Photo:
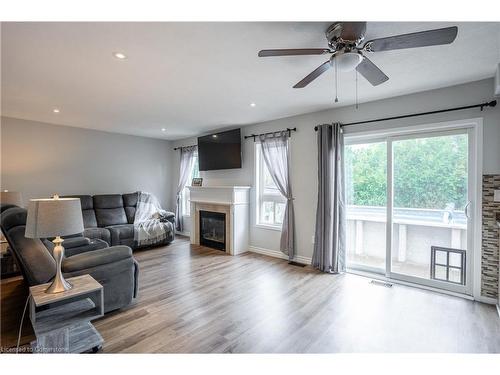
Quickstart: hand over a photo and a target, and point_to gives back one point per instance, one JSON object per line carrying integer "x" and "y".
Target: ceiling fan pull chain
{"x": 336, "y": 81}
{"x": 356, "y": 88}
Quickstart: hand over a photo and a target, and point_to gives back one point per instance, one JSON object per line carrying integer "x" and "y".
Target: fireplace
{"x": 213, "y": 229}
{"x": 228, "y": 207}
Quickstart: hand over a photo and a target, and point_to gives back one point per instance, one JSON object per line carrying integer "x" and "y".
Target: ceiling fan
{"x": 348, "y": 52}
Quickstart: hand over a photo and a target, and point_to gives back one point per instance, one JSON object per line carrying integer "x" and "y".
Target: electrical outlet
{"x": 496, "y": 196}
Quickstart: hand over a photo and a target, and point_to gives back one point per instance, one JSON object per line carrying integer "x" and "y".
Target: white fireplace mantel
{"x": 234, "y": 202}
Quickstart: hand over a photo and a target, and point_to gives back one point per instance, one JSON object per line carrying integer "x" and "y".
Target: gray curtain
{"x": 186, "y": 165}
{"x": 276, "y": 155}
{"x": 330, "y": 236}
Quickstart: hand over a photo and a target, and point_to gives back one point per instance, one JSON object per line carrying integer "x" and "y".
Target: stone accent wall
{"x": 490, "y": 232}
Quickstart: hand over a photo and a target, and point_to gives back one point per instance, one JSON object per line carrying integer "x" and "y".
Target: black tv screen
{"x": 220, "y": 150}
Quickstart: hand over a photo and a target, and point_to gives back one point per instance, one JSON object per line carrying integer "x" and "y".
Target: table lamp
{"x": 55, "y": 217}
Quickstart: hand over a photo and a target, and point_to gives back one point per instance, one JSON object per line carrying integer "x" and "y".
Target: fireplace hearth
{"x": 213, "y": 229}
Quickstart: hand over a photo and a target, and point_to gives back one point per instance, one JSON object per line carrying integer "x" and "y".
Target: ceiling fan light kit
{"x": 345, "y": 44}
{"x": 348, "y": 61}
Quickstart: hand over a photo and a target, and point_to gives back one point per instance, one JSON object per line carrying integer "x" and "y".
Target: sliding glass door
{"x": 366, "y": 194}
{"x": 408, "y": 208}
{"x": 430, "y": 204}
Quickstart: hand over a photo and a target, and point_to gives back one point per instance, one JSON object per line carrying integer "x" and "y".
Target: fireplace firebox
{"x": 213, "y": 229}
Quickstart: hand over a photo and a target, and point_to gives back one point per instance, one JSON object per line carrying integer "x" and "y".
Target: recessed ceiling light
{"x": 119, "y": 55}
{"x": 252, "y": 104}
{"x": 214, "y": 135}
{"x": 56, "y": 110}
{"x": 163, "y": 129}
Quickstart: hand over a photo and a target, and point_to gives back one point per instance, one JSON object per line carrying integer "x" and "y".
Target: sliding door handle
{"x": 466, "y": 209}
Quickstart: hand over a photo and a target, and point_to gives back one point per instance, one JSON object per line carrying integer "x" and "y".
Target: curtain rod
{"x": 178, "y": 148}
{"x": 289, "y": 130}
{"x": 482, "y": 105}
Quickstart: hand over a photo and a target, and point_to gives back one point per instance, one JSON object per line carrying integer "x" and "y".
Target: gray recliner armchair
{"x": 114, "y": 267}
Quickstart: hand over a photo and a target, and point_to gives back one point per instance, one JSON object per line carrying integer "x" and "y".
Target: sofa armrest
{"x": 98, "y": 233}
{"x": 94, "y": 244}
{"x": 167, "y": 216}
{"x": 96, "y": 258}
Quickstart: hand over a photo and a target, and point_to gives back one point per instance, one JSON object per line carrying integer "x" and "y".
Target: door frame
{"x": 474, "y": 127}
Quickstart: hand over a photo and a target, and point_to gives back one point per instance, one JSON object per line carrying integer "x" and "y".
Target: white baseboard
{"x": 187, "y": 234}
{"x": 488, "y": 300}
{"x": 278, "y": 254}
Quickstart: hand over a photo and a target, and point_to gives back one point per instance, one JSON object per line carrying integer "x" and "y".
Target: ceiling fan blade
{"x": 371, "y": 72}
{"x": 293, "y": 52}
{"x": 313, "y": 75}
{"x": 420, "y": 39}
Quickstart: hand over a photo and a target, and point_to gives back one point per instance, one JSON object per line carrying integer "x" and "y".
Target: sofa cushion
{"x": 98, "y": 233}
{"x": 125, "y": 230}
{"x": 120, "y": 233}
{"x": 89, "y": 219}
{"x": 130, "y": 199}
{"x": 85, "y": 200}
{"x": 110, "y": 216}
{"x": 109, "y": 210}
{"x": 130, "y": 213}
{"x": 128, "y": 242}
{"x": 130, "y": 203}
{"x": 88, "y": 214}
{"x": 108, "y": 201}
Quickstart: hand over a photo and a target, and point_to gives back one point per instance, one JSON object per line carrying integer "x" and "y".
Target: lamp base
{"x": 58, "y": 284}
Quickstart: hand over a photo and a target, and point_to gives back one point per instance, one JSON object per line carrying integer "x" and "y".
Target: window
{"x": 195, "y": 172}
{"x": 270, "y": 202}
{"x": 448, "y": 264}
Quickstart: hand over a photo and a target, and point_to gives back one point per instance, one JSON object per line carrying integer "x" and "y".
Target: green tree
{"x": 428, "y": 173}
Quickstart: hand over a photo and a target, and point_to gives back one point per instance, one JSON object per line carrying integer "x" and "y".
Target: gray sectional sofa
{"x": 110, "y": 217}
{"x": 114, "y": 267}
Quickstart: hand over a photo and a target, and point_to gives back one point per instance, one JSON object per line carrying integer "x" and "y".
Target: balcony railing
{"x": 415, "y": 231}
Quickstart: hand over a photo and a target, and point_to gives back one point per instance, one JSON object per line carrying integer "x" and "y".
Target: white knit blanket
{"x": 148, "y": 229}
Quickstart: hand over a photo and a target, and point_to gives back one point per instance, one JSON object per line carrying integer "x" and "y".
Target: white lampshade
{"x": 12, "y": 197}
{"x": 54, "y": 217}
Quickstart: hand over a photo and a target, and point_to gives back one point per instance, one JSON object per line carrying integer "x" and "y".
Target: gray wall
{"x": 41, "y": 159}
{"x": 303, "y": 147}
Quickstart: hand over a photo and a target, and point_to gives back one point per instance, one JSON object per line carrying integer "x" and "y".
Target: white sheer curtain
{"x": 275, "y": 152}
{"x": 186, "y": 166}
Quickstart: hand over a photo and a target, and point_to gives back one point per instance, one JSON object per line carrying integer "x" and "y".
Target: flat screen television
{"x": 220, "y": 150}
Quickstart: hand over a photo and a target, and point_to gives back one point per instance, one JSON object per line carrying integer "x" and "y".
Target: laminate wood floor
{"x": 197, "y": 300}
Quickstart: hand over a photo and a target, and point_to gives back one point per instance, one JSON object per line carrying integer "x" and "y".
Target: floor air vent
{"x": 297, "y": 264}
{"x": 381, "y": 283}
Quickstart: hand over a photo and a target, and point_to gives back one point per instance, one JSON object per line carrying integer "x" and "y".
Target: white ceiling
{"x": 191, "y": 78}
